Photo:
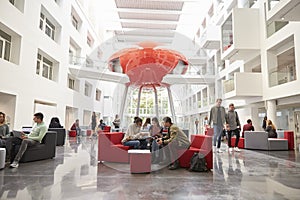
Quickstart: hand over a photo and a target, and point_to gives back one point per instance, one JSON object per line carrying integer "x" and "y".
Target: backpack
{"x": 198, "y": 163}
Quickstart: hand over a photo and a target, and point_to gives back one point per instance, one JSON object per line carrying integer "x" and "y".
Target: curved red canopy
{"x": 148, "y": 65}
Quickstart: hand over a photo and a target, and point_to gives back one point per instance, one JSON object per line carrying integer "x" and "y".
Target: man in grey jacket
{"x": 217, "y": 117}
{"x": 234, "y": 127}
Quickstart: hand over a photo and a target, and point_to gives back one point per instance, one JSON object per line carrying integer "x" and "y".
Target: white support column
{"x": 139, "y": 101}
{"x": 171, "y": 104}
{"x": 123, "y": 104}
{"x": 156, "y": 102}
{"x": 271, "y": 110}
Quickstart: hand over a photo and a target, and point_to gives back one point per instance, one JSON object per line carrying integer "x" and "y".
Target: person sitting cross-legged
{"x": 133, "y": 135}
{"x": 33, "y": 138}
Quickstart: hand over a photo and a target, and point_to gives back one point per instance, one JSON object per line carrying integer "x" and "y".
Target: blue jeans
{"x": 132, "y": 143}
{"x": 155, "y": 148}
{"x": 218, "y": 130}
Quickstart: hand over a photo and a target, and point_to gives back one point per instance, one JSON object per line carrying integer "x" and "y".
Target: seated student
{"x": 33, "y": 138}
{"x": 54, "y": 123}
{"x": 75, "y": 126}
{"x": 155, "y": 132}
{"x": 4, "y": 130}
{"x": 133, "y": 135}
{"x": 175, "y": 139}
{"x": 147, "y": 124}
{"x": 101, "y": 125}
{"x": 271, "y": 129}
{"x": 248, "y": 127}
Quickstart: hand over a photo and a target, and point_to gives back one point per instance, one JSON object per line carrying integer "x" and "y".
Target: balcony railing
{"x": 86, "y": 62}
{"x": 228, "y": 85}
{"x": 282, "y": 76}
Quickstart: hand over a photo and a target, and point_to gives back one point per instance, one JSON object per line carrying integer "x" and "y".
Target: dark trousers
{"x": 20, "y": 145}
{"x": 230, "y": 134}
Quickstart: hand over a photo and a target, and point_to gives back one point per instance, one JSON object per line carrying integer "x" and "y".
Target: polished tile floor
{"x": 76, "y": 174}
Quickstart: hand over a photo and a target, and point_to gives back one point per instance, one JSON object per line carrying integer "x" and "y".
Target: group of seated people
{"x": 152, "y": 134}
{"x": 9, "y": 142}
{"x": 75, "y": 126}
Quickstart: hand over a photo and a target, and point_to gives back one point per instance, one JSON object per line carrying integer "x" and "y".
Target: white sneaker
{"x": 230, "y": 149}
{"x": 14, "y": 165}
{"x": 219, "y": 151}
{"x": 237, "y": 149}
{"x": 214, "y": 149}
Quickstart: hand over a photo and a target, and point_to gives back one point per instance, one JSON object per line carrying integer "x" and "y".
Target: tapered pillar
{"x": 271, "y": 110}
{"x": 171, "y": 104}
{"x": 123, "y": 104}
{"x": 139, "y": 101}
{"x": 156, "y": 101}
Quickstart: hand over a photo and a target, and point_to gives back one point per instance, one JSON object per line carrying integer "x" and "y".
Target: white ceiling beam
{"x": 152, "y": 11}
{"x": 148, "y": 21}
{"x": 143, "y": 38}
{"x": 144, "y": 29}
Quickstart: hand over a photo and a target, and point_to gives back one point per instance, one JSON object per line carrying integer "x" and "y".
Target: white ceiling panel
{"x": 149, "y": 26}
{"x": 147, "y": 16}
{"x": 148, "y": 4}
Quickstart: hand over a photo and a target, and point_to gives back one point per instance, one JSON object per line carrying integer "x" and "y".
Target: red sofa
{"x": 111, "y": 149}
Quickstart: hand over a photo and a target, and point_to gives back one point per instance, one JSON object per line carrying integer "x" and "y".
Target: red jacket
{"x": 247, "y": 127}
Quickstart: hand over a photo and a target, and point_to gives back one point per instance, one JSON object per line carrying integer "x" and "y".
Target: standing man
{"x": 34, "y": 137}
{"x": 196, "y": 124}
{"x": 175, "y": 139}
{"x": 217, "y": 117}
{"x": 94, "y": 121}
{"x": 117, "y": 122}
{"x": 234, "y": 127}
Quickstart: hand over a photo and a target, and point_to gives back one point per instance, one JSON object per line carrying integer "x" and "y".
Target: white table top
{"x": 141, "y": 151}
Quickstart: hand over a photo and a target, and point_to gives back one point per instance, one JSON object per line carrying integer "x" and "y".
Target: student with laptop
{"x": 134, "y": 137}
{"x": 34, "y": 137}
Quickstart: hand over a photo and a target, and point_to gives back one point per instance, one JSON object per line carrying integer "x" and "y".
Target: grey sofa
{"x": 60, "y": 137}
{"x": 259, "y": 140}
{"x": 45, "y": 150}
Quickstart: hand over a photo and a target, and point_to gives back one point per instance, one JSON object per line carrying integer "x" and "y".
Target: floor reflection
{"x": 76, "y": 174}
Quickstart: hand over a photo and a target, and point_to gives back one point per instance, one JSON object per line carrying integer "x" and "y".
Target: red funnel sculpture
{"x": 147, "y": 65}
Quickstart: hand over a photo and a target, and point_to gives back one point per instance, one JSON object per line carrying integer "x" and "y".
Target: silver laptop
{"x": 17, "y": 133}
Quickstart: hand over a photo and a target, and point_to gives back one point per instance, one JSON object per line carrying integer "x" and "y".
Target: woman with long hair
{"x": 271, "y": 129}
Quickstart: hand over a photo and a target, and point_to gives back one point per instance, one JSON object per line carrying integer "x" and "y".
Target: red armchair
{"x": 72, "y": 133}
{"x": 200, "y": 143}
{"x": 106, "y": 128}
{"x": 111, "y": 149}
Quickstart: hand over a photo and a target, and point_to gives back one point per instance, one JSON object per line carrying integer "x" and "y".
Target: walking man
{"x": 217, "y": 117}
{"x": 234, "y": 127}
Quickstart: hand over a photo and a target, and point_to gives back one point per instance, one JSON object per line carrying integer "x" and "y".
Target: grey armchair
{"x": 45, "y": 150}
{"x": 60, "y": 137}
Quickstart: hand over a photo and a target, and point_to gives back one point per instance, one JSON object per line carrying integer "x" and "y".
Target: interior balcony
{"x": 243, "y": 85}
{"x": 230, "y": 4}
{"x": 240, "y": 35}
{"x": 283, "y": 10}
{"x": 210, "y": 39}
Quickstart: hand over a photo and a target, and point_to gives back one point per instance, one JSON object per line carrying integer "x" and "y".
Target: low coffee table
{"x": 2, "y": 157}
{"x": 140, "y": 161}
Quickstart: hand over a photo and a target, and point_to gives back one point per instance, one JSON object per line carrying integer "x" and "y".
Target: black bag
{"x": 198, "y": 163}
